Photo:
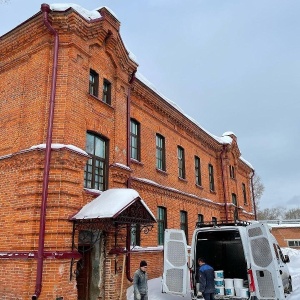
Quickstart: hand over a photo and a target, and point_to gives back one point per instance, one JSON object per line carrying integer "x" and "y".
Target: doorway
{"x": 83, "y": 273}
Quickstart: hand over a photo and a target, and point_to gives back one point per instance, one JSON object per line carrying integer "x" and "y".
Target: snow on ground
{"x": 294, "y": 267}
{"x": 155, "y": 293}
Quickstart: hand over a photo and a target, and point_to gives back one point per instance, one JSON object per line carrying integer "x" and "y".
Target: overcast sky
{"x": 232, "y": 65}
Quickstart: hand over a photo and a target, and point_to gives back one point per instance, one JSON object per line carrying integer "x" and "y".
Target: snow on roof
{"x": 110, "y": 203}
{"x": 59, "y": 146}
{"x": 228, "y": 133}
{"x": 283, "y": 223}
{"x": 43, "y": 146}
{"x": 108, "y": 9}
{"x": 87, "y": 14}
{"x": 121, "y": 166}
{"x": 246, "y": 162}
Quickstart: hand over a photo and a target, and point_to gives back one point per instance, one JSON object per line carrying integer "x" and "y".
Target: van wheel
{"x": 290, "y": 288}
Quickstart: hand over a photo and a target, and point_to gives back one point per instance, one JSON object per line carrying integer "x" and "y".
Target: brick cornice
{"x": 29, "y": 157}
{"x": 101, "y": 31}
{"x": 173, "y": 116}
{"x": 69, "y": 25}
{"x": 172, "y": 193}
{"x": 119, "y": 173}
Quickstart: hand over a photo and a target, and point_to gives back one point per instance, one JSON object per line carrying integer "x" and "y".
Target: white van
{"x": 240, "y": 250}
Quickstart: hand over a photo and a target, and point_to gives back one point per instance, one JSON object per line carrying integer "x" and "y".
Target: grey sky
{"x": 232, "y": 65}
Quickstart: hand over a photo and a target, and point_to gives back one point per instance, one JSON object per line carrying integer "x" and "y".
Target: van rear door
{"x": 175, "y": 276}
{"x": 265, "y": 271}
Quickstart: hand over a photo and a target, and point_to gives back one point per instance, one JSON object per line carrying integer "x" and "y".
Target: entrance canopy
{"x": 122, "y": 206}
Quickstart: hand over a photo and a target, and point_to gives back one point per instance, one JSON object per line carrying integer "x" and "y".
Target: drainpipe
{"x": 223, "y": 182}
{"x": 253, "y": 196}
{"x": 131, "y": 80}
{"x": 45, "y": 8}
{"x": 129, "y": 278}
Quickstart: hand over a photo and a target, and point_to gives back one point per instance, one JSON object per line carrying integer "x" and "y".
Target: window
{"x": 214, "y": 220}
{"x": 96, "y": 167}
{"x": 160, "y": 152}
{"x": 94, "y": 83}
{"x": 135, "y": 235}
{"x": 184, "y": 223}
{"x": 233, "y": 197}
{"x": 161, "y": 224}
{"x": 244, "y": 193}
{"x": 231, "y": 172}
{"x": 106, "y": 97}
{"x": 197, "y": 171}
{"x": 211, "y": 177}
{"x": 294, "y": 243}
{"x": 235, "y": 213}
{"x": 134, "y": 139}
{"x": 200, "y": 218}
{"x": 280, "y": 253}
{"x": 181, "y": 162}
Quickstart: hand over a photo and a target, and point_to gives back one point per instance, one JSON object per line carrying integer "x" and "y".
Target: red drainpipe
{"x": 45, "y": 8}
{"x": 253, "y": 197}
{"x": 129, "y": 278}
{"x": 223, "y": 182}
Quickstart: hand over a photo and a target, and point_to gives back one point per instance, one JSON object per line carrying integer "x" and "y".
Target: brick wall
{"x": 25, "y": 88}
{"x": 285, "y": 233}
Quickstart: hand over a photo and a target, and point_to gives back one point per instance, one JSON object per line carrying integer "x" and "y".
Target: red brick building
{"x": 77, "y": 120}
{"x": 286, "y": 232}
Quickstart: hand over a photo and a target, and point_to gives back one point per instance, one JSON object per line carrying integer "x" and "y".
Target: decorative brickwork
{"x": 72, "y": 266}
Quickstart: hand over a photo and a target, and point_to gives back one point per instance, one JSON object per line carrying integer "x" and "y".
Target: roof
{"x": 110, "y": 204}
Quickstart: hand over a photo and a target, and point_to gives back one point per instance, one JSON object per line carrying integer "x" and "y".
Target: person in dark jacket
{"x": 206, "y": 280}
{"x": 140, "y": 282}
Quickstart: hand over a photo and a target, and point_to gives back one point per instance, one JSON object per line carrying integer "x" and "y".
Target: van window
{"x": 280, "y": 253}
{"x": 276, "y": 252}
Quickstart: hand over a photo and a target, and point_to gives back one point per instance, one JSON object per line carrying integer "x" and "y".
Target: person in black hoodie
{"x": 206, "y": 280}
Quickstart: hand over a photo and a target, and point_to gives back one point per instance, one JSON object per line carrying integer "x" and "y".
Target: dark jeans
{"x": 208, "y": 296}
{"x": 143, "y": 297}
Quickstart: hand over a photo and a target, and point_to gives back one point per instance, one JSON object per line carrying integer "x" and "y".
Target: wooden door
{"x": 83, "y": 273}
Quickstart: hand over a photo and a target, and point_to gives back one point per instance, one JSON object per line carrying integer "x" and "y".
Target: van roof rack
{"x": 222, "y": 223}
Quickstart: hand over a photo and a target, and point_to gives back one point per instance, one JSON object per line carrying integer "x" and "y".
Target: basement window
{"x": 294, "y": 243}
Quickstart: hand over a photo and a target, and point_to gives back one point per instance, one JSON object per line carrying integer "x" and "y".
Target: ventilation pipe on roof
{"x": 45, "y": 8}
{"x": 129, "y": 178}
{"x": 223, "y": 181}
{"x": 253, "y": 195}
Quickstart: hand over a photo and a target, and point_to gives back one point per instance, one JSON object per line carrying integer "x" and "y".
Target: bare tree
{"x": 274, "y": 213}
{"x": 293, "y": 213}
{"x": 258, "y": 190}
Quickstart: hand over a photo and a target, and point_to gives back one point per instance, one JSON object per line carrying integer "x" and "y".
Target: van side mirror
{"x": 286, "y": 259}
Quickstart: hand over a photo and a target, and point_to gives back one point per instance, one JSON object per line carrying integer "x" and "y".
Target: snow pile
{"x": 294, "y": 268}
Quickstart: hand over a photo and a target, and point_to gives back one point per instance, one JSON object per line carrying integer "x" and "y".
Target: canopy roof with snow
{"x": 120, "y": 205}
